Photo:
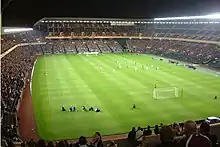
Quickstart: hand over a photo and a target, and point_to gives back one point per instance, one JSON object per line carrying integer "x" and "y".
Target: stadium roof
{"x": 215, "y": 17}
{"x": 63, "y": 19}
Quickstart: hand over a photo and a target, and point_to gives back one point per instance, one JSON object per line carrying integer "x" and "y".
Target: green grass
{"x": 77, "y": 80}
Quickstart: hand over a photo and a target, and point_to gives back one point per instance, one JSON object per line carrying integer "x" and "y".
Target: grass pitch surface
{"x": 76, "y": 80}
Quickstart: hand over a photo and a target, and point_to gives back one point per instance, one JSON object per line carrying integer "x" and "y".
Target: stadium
{"x": 72, "y": 77}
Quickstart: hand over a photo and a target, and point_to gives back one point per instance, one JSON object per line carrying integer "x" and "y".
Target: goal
{"x": 164, "y": 93}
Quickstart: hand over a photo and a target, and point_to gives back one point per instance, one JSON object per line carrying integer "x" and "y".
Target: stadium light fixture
{"x": 211, "y": 16}
{"x": 11, "y": 30}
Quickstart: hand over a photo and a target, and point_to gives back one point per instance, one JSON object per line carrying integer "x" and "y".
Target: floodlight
{"x": 211, "y": 16}
{"x": 17, "y": 30}
{"x": 214, "y": 16}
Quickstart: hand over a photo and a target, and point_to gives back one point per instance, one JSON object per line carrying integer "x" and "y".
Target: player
{"x": 146, "y": 68}
{"x": 63, "y": 108}
{"x": 215, "y": 97}
{"x": 74, "y": 109}
{"x": 142, "y": 66}
{"x": 134, "y": 106}
{"x": 119, "y": 65}
{"x": 97, "y": 110}
{"x": 91, "y": 109}
{"x": 155, "y": 86}
{"x": 84, "y": 108}
{"x": 71, "y": 108}
{"x": 45, "y": 74}
{"x": 157, "y": 68}
{"x": 135, "y": 63}
{"x": 101, "y": 70}
{"x": 135, "y": 69}
{"x": 113, "y": 70}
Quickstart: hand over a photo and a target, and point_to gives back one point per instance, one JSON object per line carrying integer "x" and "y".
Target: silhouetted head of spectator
{"x": 66, "y": 142}
{"x": 190, "y": 127}
{"x": 133, "y": 129}
{"x": 148, "y": 131}
{"x": 156, "y": 129}
{"x": 61, "y": 144}
{"x": 82, "y": 140}
{"x": 204, "y": 128}
{"x": 131, "y": 135}
{"x": 166, "y": 134}
{"x": 41, "y": 143}
{"x": 98, "y": 135}
{"x": 111, "y": 144}
{"x": 139, "y": 128}
{"x": 176, "y": 129}
{"x": 50, "y": 144}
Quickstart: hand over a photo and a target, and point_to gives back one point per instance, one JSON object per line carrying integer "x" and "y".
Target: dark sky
{"x": 27, "y": 12}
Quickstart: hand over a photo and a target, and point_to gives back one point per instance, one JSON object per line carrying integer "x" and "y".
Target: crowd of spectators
{"x": 82, "y": 142}
{"x": 10, "y": 40}
{"x": 81, "y": 46}
{"x": 14, "y": 69}
{"x": 198, "y": 31}
{"x": 174, "y": 136}
{"x": 198, "y": 53}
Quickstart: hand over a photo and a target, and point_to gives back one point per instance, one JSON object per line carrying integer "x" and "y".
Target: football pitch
{"x": 77, "y": 80}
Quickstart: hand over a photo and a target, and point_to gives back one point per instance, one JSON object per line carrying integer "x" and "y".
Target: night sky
{"x": 26, "y": 12}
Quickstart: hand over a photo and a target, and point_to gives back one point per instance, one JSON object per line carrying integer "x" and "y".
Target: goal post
{"x": 165, "y": 93}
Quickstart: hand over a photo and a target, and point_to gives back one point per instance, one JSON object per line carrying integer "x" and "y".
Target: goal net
{"x": 164, "y": 93}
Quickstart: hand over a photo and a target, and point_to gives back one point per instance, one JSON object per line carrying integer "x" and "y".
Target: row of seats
{"x": 9, "y": 40}
{"x": 205, "y": 31}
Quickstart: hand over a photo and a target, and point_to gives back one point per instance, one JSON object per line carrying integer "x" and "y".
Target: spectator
{"x": 61, "y": 144}
{"x": 50, "y": 144}
{"x": 131, "y": 137}
{"x": 31, "y": 143}
{"x": 41, "y": 143}
{"x": 82, "y": 142}
{"x": 192, "y": 138}
{"x": 112, "y": 144}
{"x": 205, "y": 130}
{"x": 176, "y": 129}
{"x": 148, "y": 131}
{"x": 156, "y": 130}
{"x": 97, "y": 140}
{"x": 139, "y": 135}
{"x": 166, "y": 137}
